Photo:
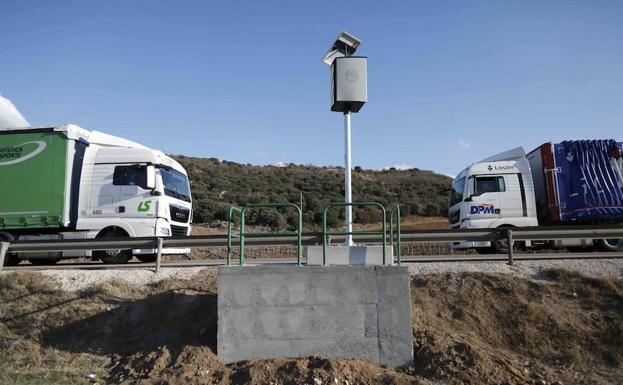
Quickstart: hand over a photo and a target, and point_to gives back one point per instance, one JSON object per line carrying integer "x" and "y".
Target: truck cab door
{"x": 105, "y": 196}
{"x": 484, "y": 202}
{"x": 136, "y": 200}
{"x": 512, "y": 201}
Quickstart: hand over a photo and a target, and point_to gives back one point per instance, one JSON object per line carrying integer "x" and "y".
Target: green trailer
{"x": 34, "y": 179}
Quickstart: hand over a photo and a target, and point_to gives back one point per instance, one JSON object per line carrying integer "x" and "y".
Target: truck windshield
{"x": 175, "y": 184}
{"x": 456, "y": 195}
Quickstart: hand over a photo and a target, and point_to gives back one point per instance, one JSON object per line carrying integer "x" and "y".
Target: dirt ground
{"x": 469, "y": 328}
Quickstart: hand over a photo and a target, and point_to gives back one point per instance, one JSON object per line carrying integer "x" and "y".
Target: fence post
{"x": 159, "y": 255}
{"x": 299, "y": 246}
{"x": 229, "y": 218}
{"x": 4, "y": 246}
{"x": 509, "y": 239}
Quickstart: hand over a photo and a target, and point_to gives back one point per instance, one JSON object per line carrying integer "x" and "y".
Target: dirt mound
{"x": 468, "y": 328}
{"x": 499, "y": 329}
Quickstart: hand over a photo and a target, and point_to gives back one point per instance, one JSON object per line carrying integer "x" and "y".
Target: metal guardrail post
{"x": 159, "y": 254}
{"x": 4, "y": 246}
{"x": 230, "y": 223}
{"x": 509, "y": 239}
{"x": 299, "y": 243}
{"x": 391, "y": 230}
{"x": 326, "y": 234}
{"x": 241, "y": 237}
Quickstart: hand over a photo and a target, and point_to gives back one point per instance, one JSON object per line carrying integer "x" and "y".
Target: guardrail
{"x": 325, "y": 233}
{"x": 242, "y": 235}
{"x": 433, "y": 235}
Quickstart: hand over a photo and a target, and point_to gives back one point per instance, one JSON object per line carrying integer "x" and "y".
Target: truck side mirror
{"x": 151, "y": 178}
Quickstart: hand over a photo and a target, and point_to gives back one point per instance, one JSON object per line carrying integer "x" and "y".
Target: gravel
{"x": 612, "y": 268}
{"x": 73, "y": 280}
{"x": 80, "y": 279}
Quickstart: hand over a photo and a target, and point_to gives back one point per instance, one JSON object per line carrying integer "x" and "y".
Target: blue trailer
{"x": 578, "y": 181}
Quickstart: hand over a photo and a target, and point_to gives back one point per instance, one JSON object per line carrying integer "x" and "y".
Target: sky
{"x": 449, "y": 82}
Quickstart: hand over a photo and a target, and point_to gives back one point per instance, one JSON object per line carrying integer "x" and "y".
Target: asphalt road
{"x": 278, "y": 261}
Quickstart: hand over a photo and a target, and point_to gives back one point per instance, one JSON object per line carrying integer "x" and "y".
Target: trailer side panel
{"x": 33, "y": 168}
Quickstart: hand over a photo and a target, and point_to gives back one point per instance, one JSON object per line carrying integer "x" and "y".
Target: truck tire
{"x": 112, "y": 256}
{"x": 500, "y": 246}
{"x": 612, "y": 244}
{"x": 10, "y": 259}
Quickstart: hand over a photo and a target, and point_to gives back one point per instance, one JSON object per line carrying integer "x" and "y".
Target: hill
{"x": 216, "y": 185}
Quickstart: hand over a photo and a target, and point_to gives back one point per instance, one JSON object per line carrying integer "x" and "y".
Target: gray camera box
{"x": 349, "y": 83}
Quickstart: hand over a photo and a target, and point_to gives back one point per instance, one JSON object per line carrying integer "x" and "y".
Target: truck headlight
{"x": 164, "y": 231}
{"x": 163, "y": 228}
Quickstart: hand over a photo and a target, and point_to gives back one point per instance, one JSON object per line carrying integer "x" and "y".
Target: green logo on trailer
{"x": 144, "y": 206}
{"x": 15, "y": 154}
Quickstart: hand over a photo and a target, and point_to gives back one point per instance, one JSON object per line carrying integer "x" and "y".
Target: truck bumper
{"x": 463, "y": 245}
{"x": 168, "y": 250}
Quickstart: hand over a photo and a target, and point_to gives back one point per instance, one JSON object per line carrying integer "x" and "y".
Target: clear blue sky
{"x": 449, "y": 82}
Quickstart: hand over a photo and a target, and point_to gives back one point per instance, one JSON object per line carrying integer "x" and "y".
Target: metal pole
{"x": 242, "y": 214}
{"x": 4, "y": 246}
{"x": 159, "y": 255}
{"x": 348, "y": 197}
{"x": 509, "y": 239}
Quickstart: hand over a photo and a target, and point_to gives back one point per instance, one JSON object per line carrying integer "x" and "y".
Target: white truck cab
{"x": 495, "y": 192}
{"x": 65, "y": 182}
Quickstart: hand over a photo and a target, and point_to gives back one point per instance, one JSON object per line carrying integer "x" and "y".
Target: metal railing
{"x": 242, "y": 235}
{"x": 433, "y": 235}
{"x": 326, "y": 233}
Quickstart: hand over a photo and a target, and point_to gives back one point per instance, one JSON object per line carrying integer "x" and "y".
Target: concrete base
{"x": 350, "y": 255}
{"x": 347, "y": 312}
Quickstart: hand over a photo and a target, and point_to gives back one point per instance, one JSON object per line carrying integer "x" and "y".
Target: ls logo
{"x": 144, "y": 206}
{"x": 485, "y": 208}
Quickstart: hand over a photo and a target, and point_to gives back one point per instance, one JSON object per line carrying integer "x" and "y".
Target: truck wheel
{"x": 112, "y": 256}
{"x": 146, "y": 258}
{"x": 612, "y": 244}
{"x": 10, "y": 259}
{"x": 500, "y": 246}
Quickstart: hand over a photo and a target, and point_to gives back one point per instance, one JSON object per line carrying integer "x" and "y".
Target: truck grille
{"x": 455, "y": 216}
{"x": 179, "y": 231}
{"x": 179, "y": 214}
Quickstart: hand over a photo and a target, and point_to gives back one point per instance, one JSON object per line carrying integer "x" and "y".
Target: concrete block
{"x": 350, "y": 255}
{"x": 351, "y": 312}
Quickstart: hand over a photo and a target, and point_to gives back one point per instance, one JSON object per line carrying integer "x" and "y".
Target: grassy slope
{"x": 216, "y": 185}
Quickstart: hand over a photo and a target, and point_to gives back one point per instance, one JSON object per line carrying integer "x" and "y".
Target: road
{"x": 283, "y": 261}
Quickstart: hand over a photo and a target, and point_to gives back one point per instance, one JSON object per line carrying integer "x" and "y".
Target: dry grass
{"x": 468, "y": 328}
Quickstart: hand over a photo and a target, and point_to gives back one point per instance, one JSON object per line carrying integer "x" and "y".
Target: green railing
{"x": 395, "y": 209}
{"x": 326, "y": 234}
{"x": 243, "y": 234}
